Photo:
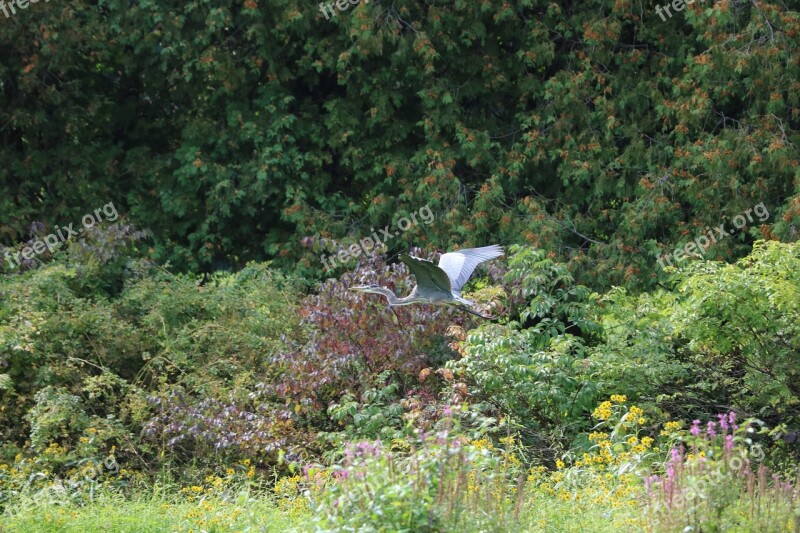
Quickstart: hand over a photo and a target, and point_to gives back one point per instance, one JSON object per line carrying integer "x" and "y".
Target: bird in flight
{"x": 439, "y": 285}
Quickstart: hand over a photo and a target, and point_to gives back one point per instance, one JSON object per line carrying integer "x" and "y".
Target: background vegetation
{"x": 191, "y": 365}
{"x": 232, "y": 130}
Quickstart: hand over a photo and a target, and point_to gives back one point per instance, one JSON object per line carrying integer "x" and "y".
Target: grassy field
{"x": 154, "y": 512}
{"x": 159, "y": 513}
{"x": 591, "y": 505}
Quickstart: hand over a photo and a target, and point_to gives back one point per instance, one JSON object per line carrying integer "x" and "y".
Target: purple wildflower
{"x": 710, "y": 429}
{"x": 695, "y": 428}
{"x": 648, "y": 482}
{"x": 728, "y": 442}
{"x": 676, "y": 455}
{"x": 723, "y": 422}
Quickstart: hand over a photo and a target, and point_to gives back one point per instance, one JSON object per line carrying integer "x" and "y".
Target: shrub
{"x": 361, "y": 360}
{"x": 532, "y": 371}
{"x": 742, "y": 325}
{"x": 72, "y": 358}
{"x": 724, "y": 335}
{"x": 639, "y": 355}
{"x": 212, "y": 361}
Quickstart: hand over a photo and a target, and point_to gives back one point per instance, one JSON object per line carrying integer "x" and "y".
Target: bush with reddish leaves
{"x": 361, "y": 352}
{"x": 352, "y": 367}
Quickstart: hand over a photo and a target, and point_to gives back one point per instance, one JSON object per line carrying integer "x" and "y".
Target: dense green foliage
{"x": 531, "y": 370}
{"x": 242, "y": 366}
{"x": 74, "y": 363}
{"x": 117, "y": 367}
{"x": 594, "y": 129}
{"x": 725, "y": 335}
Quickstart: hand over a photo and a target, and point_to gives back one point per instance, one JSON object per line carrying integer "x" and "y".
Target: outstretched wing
{"x": 460, "y": 265}
{"x": 432, "y": 281}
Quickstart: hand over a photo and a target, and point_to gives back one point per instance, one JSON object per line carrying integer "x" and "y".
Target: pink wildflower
{"x": 648, "y": 482}
{"x": 675, "y": 454}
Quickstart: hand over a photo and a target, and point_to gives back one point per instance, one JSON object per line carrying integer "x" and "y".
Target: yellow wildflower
{"x": 483, "y": 444}
{"x": 603, "y": 411}
{"x": 670, "y": 427}
{"x": 635, "y": 412}
{"x": 598, "y": 436}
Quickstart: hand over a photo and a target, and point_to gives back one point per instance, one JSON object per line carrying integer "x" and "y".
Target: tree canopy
{"x": 233, "y": 131}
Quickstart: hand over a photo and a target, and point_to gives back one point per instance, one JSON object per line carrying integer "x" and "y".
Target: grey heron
{"x": 439, "y": 285}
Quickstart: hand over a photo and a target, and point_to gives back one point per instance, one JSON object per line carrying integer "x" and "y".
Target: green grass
{"x": 159, "y": 509}
{"x": 158, "y": 513}
{"x": 154, "y": 513}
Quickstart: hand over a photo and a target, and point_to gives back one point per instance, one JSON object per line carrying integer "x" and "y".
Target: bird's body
{"x": 439, "y": 284}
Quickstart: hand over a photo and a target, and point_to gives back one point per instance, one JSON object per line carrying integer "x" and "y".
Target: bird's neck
{"x": 392, "y": 298}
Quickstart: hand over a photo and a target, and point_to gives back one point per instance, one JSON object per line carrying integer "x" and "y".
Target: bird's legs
{"x": 395, "y": 314}
{"x": 468, "y": 310}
